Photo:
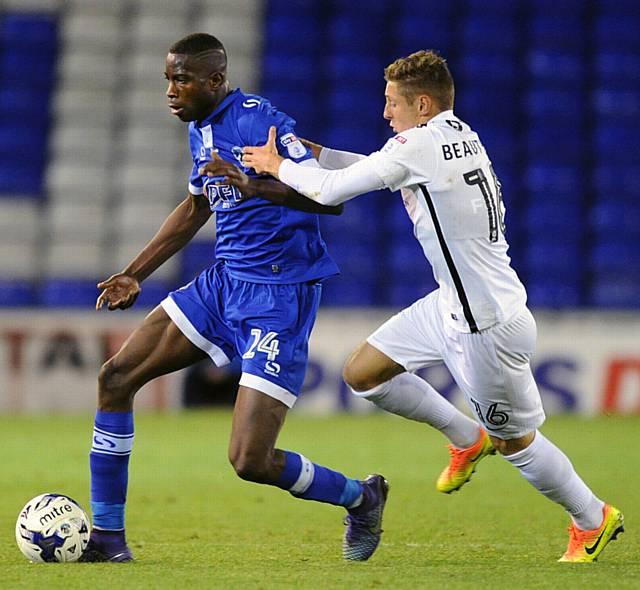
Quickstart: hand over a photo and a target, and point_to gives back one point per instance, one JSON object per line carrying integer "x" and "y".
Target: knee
{"x": 514, "y": 445}
{"x": 356, "y": 377}
{"x": 114, "y": 386}
{"x": 249, "y": 465}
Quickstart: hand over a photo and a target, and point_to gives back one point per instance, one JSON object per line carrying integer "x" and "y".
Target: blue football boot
{"x": 364, "y": 523}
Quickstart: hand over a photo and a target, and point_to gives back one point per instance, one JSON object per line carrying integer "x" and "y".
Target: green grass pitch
{"x": 193, "y": 524}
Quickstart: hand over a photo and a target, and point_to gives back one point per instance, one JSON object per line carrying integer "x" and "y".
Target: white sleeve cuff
{"x": 195, "y": 190}
{"x": 337, "y": 159}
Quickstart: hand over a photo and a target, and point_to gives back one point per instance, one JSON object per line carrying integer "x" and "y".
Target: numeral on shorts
{"x": 492, "y": 416}
{"x": 268, "y": 345}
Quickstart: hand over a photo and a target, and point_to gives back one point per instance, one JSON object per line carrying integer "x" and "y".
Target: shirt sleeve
{"x": 195, "y": 181}
{"x": 336, "y": 159}
{"x": 331, "y": 187}
{"x": 406, "y": 159}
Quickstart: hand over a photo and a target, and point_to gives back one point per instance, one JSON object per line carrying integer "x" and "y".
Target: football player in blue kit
{"x": 258, "y": 301}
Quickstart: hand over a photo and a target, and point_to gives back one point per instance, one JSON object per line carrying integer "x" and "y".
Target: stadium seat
{"x": 616, "y": 179}
{"x": 551, "y": 256}
{"x": 487, "y": 70}
{"x": 618, "y": 33}
{"x": 554, "y": 294}
{"x": 485, "y": 106}
{"x": 555, "y": 70}
{"x": 152, "y": 293}
{"x": 363, "y": 71}
{"x": 413, "y": 33}
{"x": 17, "y": 293}
{"x": 614, "y": 254}
{"x": 553, "y": 218}
{"x": 555, "y": 144}
{"x": 61, "y": 292}
{"x": 489, "y": 33}
{"x": 300, "y": 35}
{"x": 559, "y": 33}
{"x": 564, "y": 106}
{"x": 611, "y": 290}
{"x": 616, "y": 106}
{"x": 300, "y": 72}
{"x": 547, "y": 179}
{"x": 613, "y": 216}
{"x": 621, "y": 140}
{"x": 618, "y": 69}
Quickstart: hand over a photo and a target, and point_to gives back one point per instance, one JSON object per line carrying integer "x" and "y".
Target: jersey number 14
{"x": 495, "y": 208}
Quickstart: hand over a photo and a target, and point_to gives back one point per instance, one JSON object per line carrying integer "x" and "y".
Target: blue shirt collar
{"x": 224, "y": 104}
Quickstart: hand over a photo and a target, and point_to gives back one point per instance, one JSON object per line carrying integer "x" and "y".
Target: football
{"x": 52, "y": 528}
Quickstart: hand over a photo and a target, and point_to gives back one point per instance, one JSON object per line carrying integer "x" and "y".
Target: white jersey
{"x": 454, "y": 200}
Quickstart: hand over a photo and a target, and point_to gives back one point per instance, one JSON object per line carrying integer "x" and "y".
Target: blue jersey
{"x": 257, "y": 240}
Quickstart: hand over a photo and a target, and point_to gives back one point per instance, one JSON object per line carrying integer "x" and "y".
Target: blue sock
{"x": 109, "y": 461}
{"x": 309, "y": 481}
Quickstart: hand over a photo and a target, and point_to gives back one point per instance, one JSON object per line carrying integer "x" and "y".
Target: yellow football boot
{"x": 585, "y": 546}
{"x": 463, "y": 463}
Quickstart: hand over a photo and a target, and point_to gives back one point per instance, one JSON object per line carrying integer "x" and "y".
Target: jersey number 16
{"x": 495, "y": 208}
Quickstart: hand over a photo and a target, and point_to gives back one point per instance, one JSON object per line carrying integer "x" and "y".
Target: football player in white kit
{"x": 477, "y": 321}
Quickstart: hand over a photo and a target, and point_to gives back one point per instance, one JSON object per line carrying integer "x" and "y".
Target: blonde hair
{"x": 423, "y": 72}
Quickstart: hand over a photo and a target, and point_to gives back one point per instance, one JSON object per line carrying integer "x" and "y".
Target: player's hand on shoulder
{"x": 263, "y": 159}
{"x": 229, "y": 172}
{"x": 119, "y": 291}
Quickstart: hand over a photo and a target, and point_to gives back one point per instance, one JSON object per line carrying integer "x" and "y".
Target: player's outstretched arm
{"x": 122, "y": 289}
{"x": 329, "y": 158}
{"x": 265, "y": 188}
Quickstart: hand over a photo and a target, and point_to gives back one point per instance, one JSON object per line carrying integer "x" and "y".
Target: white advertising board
{"x": 49, "y": 361}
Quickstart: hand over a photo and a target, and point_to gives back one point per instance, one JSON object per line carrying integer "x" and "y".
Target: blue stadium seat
{"x": 617, "y": 7}
{"x": 425, "y": 9}
{"x": 491, "y": 7}
{"x": 33, "y": 31}
{"x": 618, "y": 70}
{"x": 551, "y": 180}
{"x": 621, "y": 140}
{"x": 613, "y": 254}
{"x": 617, "y": 33}
{"x": 549, "y": 256}
{"x": 553, "y": 218}
{"x": 559, "y": 33}
{"x": 563, "y": 106}
{"x": 344, "y": 291}
{"x": 616, "y": 179}
{"x": 555, "y": 145}
{"x": 555, "y": 70}
{"x": 300, "y": 35}
{"x": 488, "y": 70}
{"x": 20, "y": 177}
{"x": 412, "y": 33}
{"x": 290, "y": 71}
{"x": 297, "y": 104}
{"x": 68, "y": 293}
{"x": 24, "y": 104}
{"x": 564, "y": 8}
{"x": 29, "y": 69}
{"x": 489, "y": 33}
{"x": 375, "y": 9}
{"x": 17, "y": 294}
{"x": 355, "y": 34}
{"x": 610, "y": 290}
{"x": 488, "y": 107}
{"x": 303, "y": 9}
{"x": 362, "y": 71}
{"x": 553, "y": 294}
{"x": 153, "y": 292}
{"x": 617, "y": 106}
{"x": 613, "y": 216}
{"x": 358, "y": 139}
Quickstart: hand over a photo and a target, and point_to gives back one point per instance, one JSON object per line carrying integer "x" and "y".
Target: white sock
{"x": 411, "y": 397}
{"x": 549, "y": 470}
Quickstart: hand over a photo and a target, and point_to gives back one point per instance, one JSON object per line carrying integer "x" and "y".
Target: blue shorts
{"x": 267, "y": 325}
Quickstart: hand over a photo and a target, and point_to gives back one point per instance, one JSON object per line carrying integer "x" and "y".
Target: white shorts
{"x": 491, "y": 367}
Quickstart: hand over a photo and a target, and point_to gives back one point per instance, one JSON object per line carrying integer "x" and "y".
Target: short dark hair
{"x": 423, "y": 71}
{"x": 197, "y": 43}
